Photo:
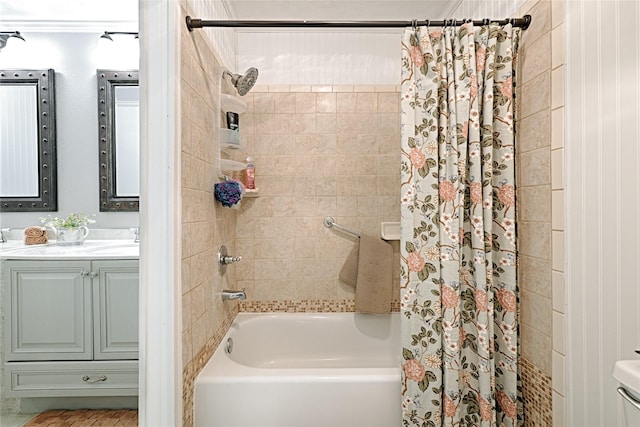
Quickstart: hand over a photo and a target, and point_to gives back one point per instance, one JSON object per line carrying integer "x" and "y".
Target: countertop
{"x": 89, "y": 249}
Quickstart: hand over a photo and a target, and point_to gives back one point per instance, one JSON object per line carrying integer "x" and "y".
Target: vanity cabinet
{"x": 71, "y": 327}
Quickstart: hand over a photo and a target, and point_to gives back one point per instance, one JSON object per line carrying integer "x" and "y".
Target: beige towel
{"x": 35, "y": 236}
{"x": 369, "y": 267}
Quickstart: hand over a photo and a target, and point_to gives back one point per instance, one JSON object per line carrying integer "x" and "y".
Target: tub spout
{"x": 231, "y": 295}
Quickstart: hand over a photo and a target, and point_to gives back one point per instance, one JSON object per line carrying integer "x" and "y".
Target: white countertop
{"x": 90, "y": 249}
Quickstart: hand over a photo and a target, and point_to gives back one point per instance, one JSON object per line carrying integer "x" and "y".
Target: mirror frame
{"x": 47, "y": 198}
{"x": 107, "y": 81}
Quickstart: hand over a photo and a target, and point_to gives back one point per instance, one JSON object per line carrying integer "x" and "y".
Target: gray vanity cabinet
{"x": 71, "y": 327}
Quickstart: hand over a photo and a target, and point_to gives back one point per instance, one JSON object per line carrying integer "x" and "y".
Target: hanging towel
{"x": 369, "y": 268}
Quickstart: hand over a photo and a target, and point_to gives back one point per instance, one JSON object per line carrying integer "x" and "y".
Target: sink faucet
{"x": 136, "y": 233}
{"x": 3, "y": 239}
{"x": 231, "y": 295}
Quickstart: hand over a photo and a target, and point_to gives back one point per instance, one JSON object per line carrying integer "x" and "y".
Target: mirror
{"x": 119, "y": 143}
{"x": 28, "y": 177}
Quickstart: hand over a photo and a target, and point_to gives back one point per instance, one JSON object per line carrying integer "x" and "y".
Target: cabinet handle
{"x": 88, "y": 379}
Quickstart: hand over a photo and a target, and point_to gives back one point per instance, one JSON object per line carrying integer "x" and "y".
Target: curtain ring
{"x": 486, "y": 21}
{"x": 427, "y": 22}
{"x": 414, "y": 24}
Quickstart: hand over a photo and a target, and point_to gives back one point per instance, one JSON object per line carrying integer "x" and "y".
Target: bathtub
{"x": 303, "y": 370}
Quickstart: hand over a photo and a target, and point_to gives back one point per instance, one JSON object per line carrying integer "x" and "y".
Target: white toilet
{"x": 627, "y": 372}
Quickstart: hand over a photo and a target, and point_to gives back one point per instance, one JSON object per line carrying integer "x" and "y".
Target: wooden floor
{"x": 85, "y": 417}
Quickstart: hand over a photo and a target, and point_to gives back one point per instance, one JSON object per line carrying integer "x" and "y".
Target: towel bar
{"x": 330, "y": 222}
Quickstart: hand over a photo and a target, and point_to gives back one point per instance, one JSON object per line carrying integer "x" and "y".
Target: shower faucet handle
{"x": 230, "y": 259}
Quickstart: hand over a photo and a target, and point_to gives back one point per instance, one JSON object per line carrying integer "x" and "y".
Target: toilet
{"x": 627, "y": 372}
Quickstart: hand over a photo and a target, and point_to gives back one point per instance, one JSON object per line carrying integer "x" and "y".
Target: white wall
{"x": 602, "y": 155}
{"x": 345, "y": 57}
{"x": 75, "y": 58}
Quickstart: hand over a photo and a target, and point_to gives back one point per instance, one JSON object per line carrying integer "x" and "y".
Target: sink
{"x": 125, "y": 249}
{"x": 627, "y": 372}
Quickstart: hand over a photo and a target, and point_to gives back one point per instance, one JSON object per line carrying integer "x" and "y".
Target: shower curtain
{"x": 459, "y": 296}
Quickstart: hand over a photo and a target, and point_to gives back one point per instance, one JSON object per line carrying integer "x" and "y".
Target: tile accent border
{"x": 537, "y": 395}
{"x": 304, "y": 306}
{"x": 195, "y": 366}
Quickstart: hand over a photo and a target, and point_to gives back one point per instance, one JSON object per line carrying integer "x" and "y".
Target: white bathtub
{"x": 303, "y": 370}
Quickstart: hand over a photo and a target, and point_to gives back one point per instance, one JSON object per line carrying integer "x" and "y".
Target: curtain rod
{"x": 192, "y": 23}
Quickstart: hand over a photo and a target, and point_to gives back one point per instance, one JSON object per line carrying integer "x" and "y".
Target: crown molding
{"x": 69, "y": 26}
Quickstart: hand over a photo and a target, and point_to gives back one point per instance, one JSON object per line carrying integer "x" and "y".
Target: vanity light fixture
{"x": 6, "y": 35}
{"x": 107, "y": 34}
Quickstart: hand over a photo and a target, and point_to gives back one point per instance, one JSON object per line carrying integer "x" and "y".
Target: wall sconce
{"x": 6, "y": 35}
{"x": 107, "y": 34}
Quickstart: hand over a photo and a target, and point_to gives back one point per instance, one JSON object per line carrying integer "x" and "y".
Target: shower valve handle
{"x": 229, "y": 259}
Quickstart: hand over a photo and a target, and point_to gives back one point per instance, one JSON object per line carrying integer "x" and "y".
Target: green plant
{"x": 72, "y": 221}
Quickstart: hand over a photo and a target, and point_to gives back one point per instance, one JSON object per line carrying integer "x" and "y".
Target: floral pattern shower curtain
{"x": 459, "y": 294}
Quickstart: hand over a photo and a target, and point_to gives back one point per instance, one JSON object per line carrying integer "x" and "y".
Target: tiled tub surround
{"x": 318, "y": 150}
{"x": 538, "y": 135}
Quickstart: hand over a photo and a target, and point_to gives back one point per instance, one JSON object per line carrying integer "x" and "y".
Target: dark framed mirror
{"x": 28, "y": 175}
{"x": 119, "y": 144}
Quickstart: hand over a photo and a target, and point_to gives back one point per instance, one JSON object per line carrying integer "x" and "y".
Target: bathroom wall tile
{"x": 326, "y": 123}
{"x": 364, "y": 88}
{"x": 558, "y": 250}
{"x": 278, "y": 88}
{"x": 557, "y": 215}
{"x": 305, "y": 123}
{"x": 187, "y": 347}
{"x": 557, "y": 376}
{"x": 325, "y": 88}
{"x": 342, "y": 88}
{"x": 258, "y": 88}
{"x": 557, "y": 87}
{"x": 558, "y": 287}
{"x": 295, "y": 88}
{"x": 558, "y": 332}
{"x": 540, "y": 21}
{"x": 367, "y": 102}
{"x": 557, "y": 169}
{"x": 536, "y": 347}
{"x": 535, "y": 203}
{"x": 535, "y": 239}
{"x": 305, "y": 102}
{"x": 326, "y": 103}
{"x": 535, "y": 168}
{"x": 264, "y": 103}
{"x": 559, "y": 410}
{"x": 386, "y": 88}
{"x": 284, "y": 102}
{"x": 533, "y": 132}
{"x": 535, "y": 95}
{"x": 557, "y": 46}
{"x": 535, "y": 275}
{"x": 535, "y": 57}
{"x": 536, "y": 312}
{"x": 557, "y": 12}
{"x": 388, "y": 102}
{"x": 346, "y": 102}
{"x": 557, "y": 128}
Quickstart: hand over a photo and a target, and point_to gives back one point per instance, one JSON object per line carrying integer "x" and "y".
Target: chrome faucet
{"x": 228, "y": 295}
{"x": 3, "y": 239}
{"x": 136, "y": 234}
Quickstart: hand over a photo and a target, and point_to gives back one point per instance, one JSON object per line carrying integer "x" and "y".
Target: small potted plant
{"x": 71, "y": 230}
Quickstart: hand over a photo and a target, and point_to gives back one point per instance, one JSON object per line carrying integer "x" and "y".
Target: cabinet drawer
{"x": 49, "y": 379}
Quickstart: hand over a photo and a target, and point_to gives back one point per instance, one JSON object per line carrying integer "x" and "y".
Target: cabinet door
{"x": 116, "y": 309}
{"x": 49, "y": 310}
